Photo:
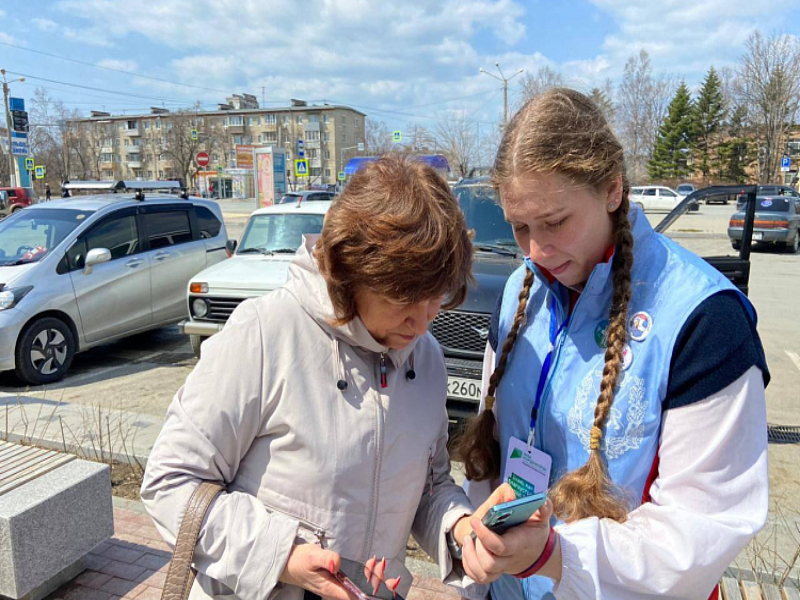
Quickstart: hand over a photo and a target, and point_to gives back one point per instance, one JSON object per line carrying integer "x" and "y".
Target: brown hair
{"x": 396, "y": 230}
{"x": 562, "y": 131}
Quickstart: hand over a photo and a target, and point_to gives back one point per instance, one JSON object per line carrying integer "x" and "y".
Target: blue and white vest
{"x": 668, "y": 283}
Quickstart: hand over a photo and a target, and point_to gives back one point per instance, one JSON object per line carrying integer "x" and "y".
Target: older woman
{"x": 321, "y": 406}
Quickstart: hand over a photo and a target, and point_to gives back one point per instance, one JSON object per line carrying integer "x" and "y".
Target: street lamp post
{"x": 12, "y": 164}
{"x": 505, "y": 81}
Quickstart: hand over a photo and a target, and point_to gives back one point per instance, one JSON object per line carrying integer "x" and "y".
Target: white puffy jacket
{"x": 354, "y": 470}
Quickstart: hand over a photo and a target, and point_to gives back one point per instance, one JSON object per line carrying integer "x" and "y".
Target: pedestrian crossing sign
{"x": 194, "y": 134}
{"x": 397, "y": 136}
{"x": 301, "y": 167}
{"x": 39, "y": 172}
{"x": 29, "y": 164}
{"x": 341, "y": 176}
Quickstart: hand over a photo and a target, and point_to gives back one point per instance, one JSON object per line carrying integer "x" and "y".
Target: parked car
{"x": 259, "y": 266}
{"x": 18, "y": 198}
{"x": 79, "y": 272}
{"x": 657, "y": 198}
{"x": 777, "y": 221}
{"x": 768, "y": 190}
{"x": 307, "y": 196}
{"x": 685, "y": 189}
{"x": 462, "y": 332}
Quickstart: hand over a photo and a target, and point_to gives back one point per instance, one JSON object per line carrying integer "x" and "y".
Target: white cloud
{"x": 7, "y": 39}
{"x": 45, "y": 24}
{"x": 120, "y": 65}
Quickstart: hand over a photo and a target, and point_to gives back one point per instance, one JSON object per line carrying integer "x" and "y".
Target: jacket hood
{"x": 308, "y": 286}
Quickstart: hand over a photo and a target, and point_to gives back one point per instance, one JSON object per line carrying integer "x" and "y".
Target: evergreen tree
{"x": 736, "y": 153}
{"x": 673, "y": 142}
{"x": 709, "y": 113}
{"x": 602, "y": 98}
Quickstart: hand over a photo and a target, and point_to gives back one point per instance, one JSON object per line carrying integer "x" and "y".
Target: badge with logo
{"x": 766, "y": 203}
{"x": 627, "y": 357}
{"x": 640, "y": 325}
{"x": 600, "y": 334}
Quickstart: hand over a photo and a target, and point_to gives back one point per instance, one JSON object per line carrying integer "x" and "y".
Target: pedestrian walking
{"x": 47, "y": 192}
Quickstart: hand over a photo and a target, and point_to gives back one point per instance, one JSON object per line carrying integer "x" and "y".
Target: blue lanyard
{"x": 555, "y": 331}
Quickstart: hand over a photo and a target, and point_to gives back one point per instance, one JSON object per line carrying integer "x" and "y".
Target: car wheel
{"x": 197, "y": 341}
{"x": 725, "y": 202}
{"x": 15, "y": 209}
{"x": 794, "y": 246}
{"x": 737, "y": 245}
{"x": 44, "y": 351}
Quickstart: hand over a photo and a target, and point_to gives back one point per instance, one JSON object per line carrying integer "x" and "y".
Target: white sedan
{"x": 655, "y": 198}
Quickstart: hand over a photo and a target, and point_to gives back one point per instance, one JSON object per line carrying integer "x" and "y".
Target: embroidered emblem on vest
{"x": 622, "y": 433}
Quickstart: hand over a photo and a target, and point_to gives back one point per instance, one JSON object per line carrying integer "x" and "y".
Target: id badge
{"x": 527, "y": 471}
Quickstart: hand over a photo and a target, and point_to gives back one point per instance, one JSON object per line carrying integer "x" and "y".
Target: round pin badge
{"x": 640, "y": 325}
{"x": 766, "y": 203}
{"x": 600, "y": 334}
{"x": 627, "y": 357}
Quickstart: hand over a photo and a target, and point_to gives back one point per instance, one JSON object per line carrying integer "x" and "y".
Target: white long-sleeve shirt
{"x": 708, "y": 500}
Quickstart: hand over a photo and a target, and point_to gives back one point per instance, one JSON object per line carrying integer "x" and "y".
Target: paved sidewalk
{"x": 134, "y": 562}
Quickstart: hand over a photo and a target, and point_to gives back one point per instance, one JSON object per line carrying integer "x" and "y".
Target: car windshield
{"x": 483, "y": 213}
{"x": 290, "y": 198}
{"x": 684, "y": 189}
{"x": 773, "y": 205}
{"x": 30, "y": 235}
{"x": 266, "y": 234}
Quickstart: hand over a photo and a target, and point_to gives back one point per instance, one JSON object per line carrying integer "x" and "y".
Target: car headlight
{"x": 10, "y": 298}
{"x": 199, "y": 308}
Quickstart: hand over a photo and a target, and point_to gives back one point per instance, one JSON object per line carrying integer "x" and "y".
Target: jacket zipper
{"x": 378, "y": 456}
{"x": 430, "y": 472}
{"x": 318, "y": 531}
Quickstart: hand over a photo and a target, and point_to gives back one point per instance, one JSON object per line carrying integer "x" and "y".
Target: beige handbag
{"x": 180, "y": 575}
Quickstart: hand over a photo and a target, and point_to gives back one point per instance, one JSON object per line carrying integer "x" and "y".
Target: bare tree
{"x": 181, "y": 149}
{"x": 642, "y": 103}
{"x": 457, "y": 140}
{"x": 769, "y": 73}
{"x": 534, "y": 84}
{"x": 419, "y": 140}
{"x": 378, "y": 137}
{"x": 55, "y": 138}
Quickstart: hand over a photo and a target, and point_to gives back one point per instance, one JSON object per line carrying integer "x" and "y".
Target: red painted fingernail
{"x": 332, "y": 567}
{"x": 383, "y": 563}
{"x": 396, "y": 583}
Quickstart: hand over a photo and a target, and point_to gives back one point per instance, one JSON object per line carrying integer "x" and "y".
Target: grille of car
{"x": 462, "y": 332}
{"x": 220, "y": 309}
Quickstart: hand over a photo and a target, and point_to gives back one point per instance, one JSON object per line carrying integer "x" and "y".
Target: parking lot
{"x": 138, "y": 376}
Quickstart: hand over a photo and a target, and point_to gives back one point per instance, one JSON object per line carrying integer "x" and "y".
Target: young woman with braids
{"x": 629, "y": 362}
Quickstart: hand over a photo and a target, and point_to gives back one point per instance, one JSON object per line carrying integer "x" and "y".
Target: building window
{"x": 325, "y": 118}
{"x": 327, "y": 172}
{"x": 315, "y": 171}
{"x": 344, "y": 137}
{"x": 313, "y": 118}
{"x": 285, "y": 118}
{"x": 149, "y": 174}
{"x": 158, "y": 123}
{"x": 161, "y": 174}
{"x": 344, "y": 121}
{"x": 312, "y": 136}
{"x": 299, "y": 119}
{"x": 251, "y": 121}
{"x": 237, "y": 139}
{"x": 131, "y": 125}
{"x": 234, "y": 120}
{"x": 270, "y": 119}
{"x": 312, "y": 153}
{"x": 327, "y": 154}
{"x": 327, "y": 137}
{"x": 147, "y": 124}
{"x": 268, "y": 137}
{"x": 215, "y": 158}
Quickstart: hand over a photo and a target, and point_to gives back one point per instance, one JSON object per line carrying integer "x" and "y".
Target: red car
{"x": 18, "y": 197}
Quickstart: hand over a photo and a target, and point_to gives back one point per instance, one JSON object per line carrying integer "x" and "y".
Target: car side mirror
{"x": 231, "y": 246}
{"x": 96, "y": 256}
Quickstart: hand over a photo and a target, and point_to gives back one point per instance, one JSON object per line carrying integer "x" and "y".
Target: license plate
{"x": 461, "y": 387}
{"x": 758, "y": 236}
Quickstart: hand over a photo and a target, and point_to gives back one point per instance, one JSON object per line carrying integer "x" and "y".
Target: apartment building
{"x": 161, "y": 144}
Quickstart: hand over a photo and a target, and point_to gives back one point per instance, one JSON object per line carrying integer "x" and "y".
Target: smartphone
{"x": 362, "y": 583}
{"x": 503, "y": 517}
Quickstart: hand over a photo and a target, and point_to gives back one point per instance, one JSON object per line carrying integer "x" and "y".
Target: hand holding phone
{"x": 502, "y": 517}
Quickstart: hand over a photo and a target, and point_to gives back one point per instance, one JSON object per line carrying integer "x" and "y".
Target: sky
{"x": 402, "y": 62}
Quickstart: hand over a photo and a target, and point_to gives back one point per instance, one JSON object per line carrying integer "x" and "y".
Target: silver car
{"x": 80, "y": 272}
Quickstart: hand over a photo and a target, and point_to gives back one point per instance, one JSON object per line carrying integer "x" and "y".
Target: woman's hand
{"x": 312, "y": 568}
{"x": 491, "y": 555}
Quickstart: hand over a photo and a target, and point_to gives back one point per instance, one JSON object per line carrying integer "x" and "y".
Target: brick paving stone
{"x": 125, "y": 514}
{"x": 95, "y": 562}
{"x": 122, "y": 570}
{"x": 143, "y": 519}
{"x": 150, "y": 593}
{"x": 128, "y": 555}
{"x": 149, "y": 532}
{"x": 153, "y": 578}
{"x": 421, "y": 594}
{"x": 128, "y": 527}
{"x": 130, "y": 541}
{"x": 83, "y": 593}
{"x": 100, "y": 548}
{"x": 122, "y": 587}
{"x": 434, "y": 585}
{"x": 154, "y": 562}
{"x": 92, "y": 579}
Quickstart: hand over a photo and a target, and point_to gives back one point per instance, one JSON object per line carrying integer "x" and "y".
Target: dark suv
{"x": 463, "y": 332}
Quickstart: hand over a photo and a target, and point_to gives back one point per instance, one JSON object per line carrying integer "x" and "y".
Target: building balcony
{"x": 134, "y": 163}
{"x": 234, "y": 129}
{"x": 135, "y": 132}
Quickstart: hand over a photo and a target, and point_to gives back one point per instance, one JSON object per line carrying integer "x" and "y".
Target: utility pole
{"x": 505, "y": 81}
{"x": 13, "y": 175}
